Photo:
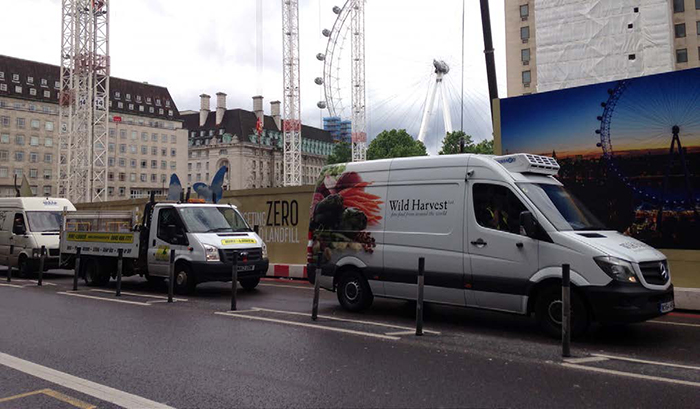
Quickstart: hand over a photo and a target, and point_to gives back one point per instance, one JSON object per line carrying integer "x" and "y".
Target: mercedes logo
{"x": 663, "y": 271}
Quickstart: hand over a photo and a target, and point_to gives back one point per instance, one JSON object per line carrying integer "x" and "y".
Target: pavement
{"x": 60, "y": 348}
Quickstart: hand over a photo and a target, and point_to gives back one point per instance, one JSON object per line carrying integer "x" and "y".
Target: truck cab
{"x": 205, "y": 238}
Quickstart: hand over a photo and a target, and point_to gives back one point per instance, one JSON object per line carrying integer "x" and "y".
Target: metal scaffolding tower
{"x": 359, "y": 121}
{"x": 84, "y": 101}
{"x": 292, "y": 108}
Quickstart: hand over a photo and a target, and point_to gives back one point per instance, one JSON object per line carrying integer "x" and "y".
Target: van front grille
{"x": 655, "y": 272}
{"x": 249, "y": 255}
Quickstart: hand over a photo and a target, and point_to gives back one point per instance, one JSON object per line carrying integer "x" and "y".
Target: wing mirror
{"x": 528, "y": 224}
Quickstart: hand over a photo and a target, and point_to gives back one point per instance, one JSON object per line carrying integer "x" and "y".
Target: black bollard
{"x": 42, "y": 261}
{"x": 77, "y": 269}
{"x": 419, "y": 299}
{"x": 9, "y": 263}
{"x": 234, "y": 280}
{"x": 317, "y": 286}
{"x": 120, "y": 263}
{"x": 171, "y": 275}
{"x": 565, "y": 311}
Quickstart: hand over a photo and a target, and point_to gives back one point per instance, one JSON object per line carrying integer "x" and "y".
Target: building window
{"x": 48, "y": 125}
{"x": 18, "y": 172}
{"x": 122, "y": 134}
{"x": 524, "y": 11}
{"x": 33, "y": 173}
{"x": 122, "y": 148}
{"x": 154, "y": 164}
{"x": 120, "y": 105}
{"x": 122, "y": 162}
{"x": 48, "y": 158}
{"x": 682, "y": 55}
{"x": 19, "y": 156}
{"x": 128, "y": 97}
{"x": 525, "y": 56}
{"x": 131, "y": 107}
{"x": 32, "y": 92}
{"x": 163, "y": 151}
{"x": 163, "y": 164}
{"x": 33, "y": 157}
{"x": 525, "y": 33}
{"x": 122, "y": 191}
{"x": 48, "y": 141}
{"x": 5, "y": 121}
{"x": 110, "y": 162}
{"x": 173, "y": 165}
{"x": 133, "y": 148}
{"x": 2, "y": 75}
{"x": 144, "y": 150}
{"x": 47, "y": 94}
{"x": 134, "y": 135}
{"x": 138, "y": 99}
{"x": 132, "y": 177}
{"x": 154, "y": 177}
{"x": 697, "y": 28}
{"x": 34, "y": 141}
{"x": 678, "y": 6}
{"x": 3, "y": 87}
{"x": 154, "y": 151}
{"x": 170, "y": 113}
{"x": 132, "y": 163}
{"x": 527, "y": 78}
{"x": 15, "y": 77}
{"x": 697, "y": 4}
{"x": 143, "y": 177}
{"x": 680, "y": 30}
{"x": 148, "y": 100}
{"x": 21, "y": 123}
{"x": 110, "y": 191}
{"x": 19, "y": 140}
{"x": 154, "y": 137}
{"x": 4, "y": 156}
{"x": 18, "y": 89}
{"x": 144, "y": 136}
{"x": 173, "y": 152}
{"x": 3, "y": 172}
{"x": 5, "y": 138}
{"x": 144, "y": 164}
{"x": 189, "y": 165}
{"x": 141, "y": 107}
{"x": 117, "y": 95}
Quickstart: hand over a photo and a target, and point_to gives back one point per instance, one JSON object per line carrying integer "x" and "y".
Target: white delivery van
{"x": 494, "y": 231}
{"x": 27, "y": 223}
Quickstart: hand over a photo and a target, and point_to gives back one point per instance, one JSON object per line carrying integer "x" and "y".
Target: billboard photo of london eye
{"x": 629, "y": 149}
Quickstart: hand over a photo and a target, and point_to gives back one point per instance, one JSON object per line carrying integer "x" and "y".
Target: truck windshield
{"x": 560, "y": 207}
{"x": 44, "y": 221}
{"x": 213, "y": 219}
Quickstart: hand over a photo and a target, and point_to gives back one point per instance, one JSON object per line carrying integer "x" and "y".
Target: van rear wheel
{"x": 93, "y": 276}
{"x": 354, "y": 293}
{"x": 184, "y": 279}
{"x": 24, "y": 269}
{"x": 548, "y": 311}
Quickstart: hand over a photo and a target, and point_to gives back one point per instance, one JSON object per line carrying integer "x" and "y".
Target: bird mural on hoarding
{"x": 212, "y": 193}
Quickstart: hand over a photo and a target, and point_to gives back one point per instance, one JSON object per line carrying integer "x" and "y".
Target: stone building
{"x": 227, "y": 137}
{"x": 146, "y": 140}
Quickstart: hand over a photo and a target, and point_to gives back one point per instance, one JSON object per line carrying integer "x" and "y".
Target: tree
{"x": 395, "y": 144}
{"x": 451, "y": 144}
{"x": 342, "y": 153}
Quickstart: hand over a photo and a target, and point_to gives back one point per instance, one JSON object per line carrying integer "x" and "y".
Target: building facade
{"x": 228, "y": 137}
{"x": 341, "y": 130}
{"x": 553, "y": 44}
{"x": 146, "y": 140}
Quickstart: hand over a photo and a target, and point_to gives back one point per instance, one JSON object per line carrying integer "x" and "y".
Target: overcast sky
{"x": 210, "y": 46}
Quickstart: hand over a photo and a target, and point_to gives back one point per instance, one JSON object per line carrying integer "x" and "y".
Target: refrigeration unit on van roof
{"x": 527, "y": 163}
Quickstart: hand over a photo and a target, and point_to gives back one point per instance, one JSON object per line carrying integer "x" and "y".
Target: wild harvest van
{"x": 27, "y": 223}
{"x": 494, "y": 232}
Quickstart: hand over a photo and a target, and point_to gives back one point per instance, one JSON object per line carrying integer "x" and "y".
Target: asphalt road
{"x": 194, "y": 353}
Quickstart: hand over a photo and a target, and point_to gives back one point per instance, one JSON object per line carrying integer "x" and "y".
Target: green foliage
{"x": 450, "y": 145}
{"x": 342, "y": 153}
{"x": 395, "y": 144}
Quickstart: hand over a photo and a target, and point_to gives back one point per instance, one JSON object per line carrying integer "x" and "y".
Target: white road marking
{"x": 346, "y": 320}
{"x": 307, "y": 325}
{"x": 287, "y": 286}
{"x": 682, "y": 324}
{"x": 104, "y": 299}
{"x": 160, "y": 297}
{"x": 585, "y": 360}
{"x": 37, "y": 282}
{"x": 11, "y": 285}
{"x": 400, "y": 333}
{"x": 643, "y": 361}
{"x": 632, "y": 375}
{"x": 96, "y": 390}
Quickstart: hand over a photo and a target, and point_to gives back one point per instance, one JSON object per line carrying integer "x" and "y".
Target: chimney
{"x": 204, "y": 109}
{"x": 258, "y": 107}
{"x": 220, "y": 107}
{"x": 276, "y": 115}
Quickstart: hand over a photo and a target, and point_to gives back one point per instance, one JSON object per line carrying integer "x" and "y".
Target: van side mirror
{"x": 528, "y": 224}
{"x": 256, "y": 229}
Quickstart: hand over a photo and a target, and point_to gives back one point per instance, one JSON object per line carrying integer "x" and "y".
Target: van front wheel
{"x": 354, "y": 293}
{"x": 548, "y": 311}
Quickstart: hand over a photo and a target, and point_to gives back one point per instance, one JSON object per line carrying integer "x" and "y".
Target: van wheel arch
{"x": 537, "y": 288}
{"x": 189, "y": 286}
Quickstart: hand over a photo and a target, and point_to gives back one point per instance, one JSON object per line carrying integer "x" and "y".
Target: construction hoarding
{"x": 630, "y": 149}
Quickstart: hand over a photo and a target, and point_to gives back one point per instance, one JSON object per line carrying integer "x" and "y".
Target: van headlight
{"x": 264, "y": 250}
{"x": 617, "y": 269}
{"x": 211, "y": 253}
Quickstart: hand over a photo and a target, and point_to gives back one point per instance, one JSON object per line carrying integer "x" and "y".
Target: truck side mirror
{"x": 528, "y": 224}
{"x": 256, "y": 229}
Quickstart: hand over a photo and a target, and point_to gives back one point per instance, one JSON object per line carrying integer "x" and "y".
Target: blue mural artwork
{"x": 629, "y": 149}
{"x": 212, "y": 193}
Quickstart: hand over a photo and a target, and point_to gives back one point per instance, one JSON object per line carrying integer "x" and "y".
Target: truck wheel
{"x": 24, "y": 267}
{"x": 249, "y": 283}
{"x": 184, "y": 279}
{"x": 93, "y": 276}
{"x": 548, "y": 311}
{"x": 354, "y": 293}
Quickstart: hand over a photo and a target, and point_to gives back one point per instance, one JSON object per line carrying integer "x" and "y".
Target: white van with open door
{"x": 26, "y": 224}
{"x": 494, "y": 232}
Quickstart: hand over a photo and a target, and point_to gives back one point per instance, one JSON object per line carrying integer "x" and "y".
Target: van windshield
{"x": 560, "y": 207}
{"x": 213, "y": 219}
{"x": 41, "y": 221}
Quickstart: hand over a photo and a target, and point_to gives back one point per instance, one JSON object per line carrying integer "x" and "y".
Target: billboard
{"x": 630, "y": 149}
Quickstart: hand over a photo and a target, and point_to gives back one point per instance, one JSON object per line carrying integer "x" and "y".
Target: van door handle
{"x": 479, "y": 243}
{"x": 154, "y": 242}
{"x": 519, "y": 245}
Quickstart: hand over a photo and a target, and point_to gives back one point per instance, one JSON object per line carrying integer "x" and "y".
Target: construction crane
{"x": 292, "y": 109}
{"x": 84, "y": 101}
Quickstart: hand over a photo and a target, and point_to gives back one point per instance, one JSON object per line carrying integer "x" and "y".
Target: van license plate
{"x": 246, "y": 268}
{"x": 666, "y": 307}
